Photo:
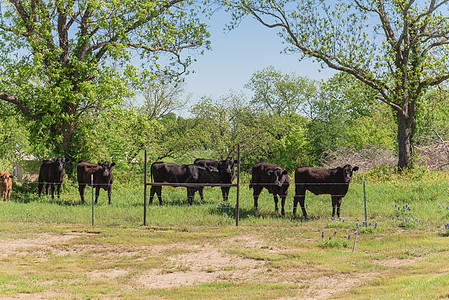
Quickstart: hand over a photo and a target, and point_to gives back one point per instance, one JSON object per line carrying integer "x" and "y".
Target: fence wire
{"x": 129, "y": 201}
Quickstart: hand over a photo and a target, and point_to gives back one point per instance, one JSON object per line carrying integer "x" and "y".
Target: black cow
{"x": 102, "y": 176}
{"x": 226, "y": 167}
{"x": 179, "y": 173}
{"x": 322, "y": 181}
{"x": 51, "y": 174}
{"x": 272, "y": 177}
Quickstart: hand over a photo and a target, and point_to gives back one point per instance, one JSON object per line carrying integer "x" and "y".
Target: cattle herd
{"x": 272, "y": 177}
{"x": 52, "y": 171}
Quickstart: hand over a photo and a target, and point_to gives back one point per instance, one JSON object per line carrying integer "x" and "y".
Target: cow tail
{"x": 251, "y": 184}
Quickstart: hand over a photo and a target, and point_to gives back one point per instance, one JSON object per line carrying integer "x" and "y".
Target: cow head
{"x": 227, "y": 165}
{"x": 347, "y": 171}
{"x": 106, "y": 168}
{"x": 279, "y": 176}
{"x": 5, "y": 177}
{"x": 60, "y": 163}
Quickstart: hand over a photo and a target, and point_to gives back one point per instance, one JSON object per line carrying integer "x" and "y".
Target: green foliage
{"x": 344, "y": 114}
{"x": 63, "y": 62}
{"x": 393, "y": 48}
{"x": 280, "y": 94}
{"x": 433, "y": 115}
{"x": 334, "y": 243}
{"x": 14, "y": 144}
{"x": 293, "y": 149}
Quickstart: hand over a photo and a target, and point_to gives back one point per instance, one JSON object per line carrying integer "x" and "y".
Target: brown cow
{"x": 322, "y": 181}
{"x": 272, "y": 177}
{"x": 5, "y": 185}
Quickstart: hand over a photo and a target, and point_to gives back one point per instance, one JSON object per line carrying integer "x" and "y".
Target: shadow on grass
{"x": 181, "y": 201}
{"x": 246, "y": 213}
{"x": 34, "y": 198}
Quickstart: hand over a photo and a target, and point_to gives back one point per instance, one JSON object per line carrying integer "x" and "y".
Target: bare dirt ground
{"x": 185, "y": 265}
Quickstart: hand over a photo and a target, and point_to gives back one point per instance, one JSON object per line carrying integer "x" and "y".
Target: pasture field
{"x": 49, "y": 249}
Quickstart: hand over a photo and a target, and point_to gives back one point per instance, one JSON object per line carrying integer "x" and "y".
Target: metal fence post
{"x": 92, "y": 185}
{"x": 145, "y": 192}
{"x": 237, "y": 205}
{"x": 364, "y": 200}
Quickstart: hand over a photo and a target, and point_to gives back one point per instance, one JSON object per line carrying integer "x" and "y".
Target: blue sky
{"x": 236, "y": 55}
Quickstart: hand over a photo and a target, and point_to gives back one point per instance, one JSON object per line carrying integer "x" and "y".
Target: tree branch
{"x": 22, "y": 106}
{"x": 103, "y": 46}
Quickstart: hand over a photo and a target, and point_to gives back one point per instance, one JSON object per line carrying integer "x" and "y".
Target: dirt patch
{"x": 182, "y": 264}
{"x": 202, "y": 265}
{"x": 40, "y": 243}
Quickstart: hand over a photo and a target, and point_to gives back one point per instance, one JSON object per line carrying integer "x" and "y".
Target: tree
{"x": 60, "y": 60}
{"x": 280, "y": 94}
{"x": 346, "y": 115}
{"x": 215, "y": 119}
{"x": 434, "y": 114}
{"x": 13, "y": 139}
{"x": 125, "y": 133}
{"x": 162, "y": 95}
{"x": 399, "y": 48}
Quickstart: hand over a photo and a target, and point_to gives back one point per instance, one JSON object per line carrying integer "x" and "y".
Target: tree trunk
{"x": 67, "y": 135}
{"x": 406, "y": 127}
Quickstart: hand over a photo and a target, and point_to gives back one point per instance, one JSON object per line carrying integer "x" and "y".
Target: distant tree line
{"x": 290, "y": 120}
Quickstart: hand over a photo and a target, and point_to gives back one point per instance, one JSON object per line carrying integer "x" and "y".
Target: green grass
{"x": 50, "y": 249}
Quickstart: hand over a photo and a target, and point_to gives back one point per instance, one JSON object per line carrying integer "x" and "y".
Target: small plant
{"x": 340, "y": 223}
{"x": 334, "y": 243}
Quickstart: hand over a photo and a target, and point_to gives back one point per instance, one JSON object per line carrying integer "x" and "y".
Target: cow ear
{"x": 11, "y": 176}
{"x": 285, "y": 172}
{"x": 355, "y": 169}
{"x": 113, "y": 164}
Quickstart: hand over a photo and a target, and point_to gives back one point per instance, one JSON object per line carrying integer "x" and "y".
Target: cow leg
{"x": 256, "y": 194}
{"x": 47, "y": 188}
{"x": 40, "y": 188}
{"x": 155, "y": 190}
{"x": 190, "y": 195}
{"x": 334, "y": 205}
{"x": 97, "y": 193}
{"x": 283, "y": 204}
{"x": 225, "y": 193}
{"x": 152, "y": 192}
{"x": 81, "y": 189}
{"x": 300, "y": 196}
{"x": 339, "y": 205}
{"x": 52, "y": 189}
{"x": 200, "y": 191}
{"x": 110, "y": 194}
{"x": 276, "y": 208}
{"x": 58, "y": 186}
{"x": 159, "y": 194}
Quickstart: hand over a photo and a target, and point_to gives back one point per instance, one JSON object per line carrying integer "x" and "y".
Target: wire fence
{"x": 128, "y": 202}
